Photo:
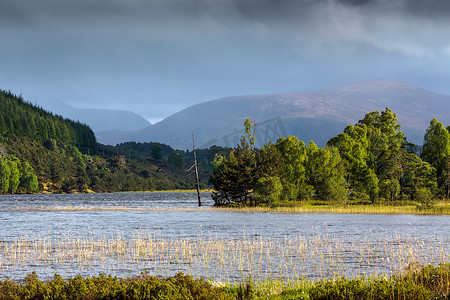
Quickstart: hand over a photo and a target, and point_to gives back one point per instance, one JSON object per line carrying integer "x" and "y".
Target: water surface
{"x": 290, "y": 244}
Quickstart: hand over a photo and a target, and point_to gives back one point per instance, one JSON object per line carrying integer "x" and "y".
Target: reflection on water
{"x": 163, "y": 233}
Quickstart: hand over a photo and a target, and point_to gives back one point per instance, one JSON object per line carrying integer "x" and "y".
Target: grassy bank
{"x": 441, "y": 207}
{"x": 108, "y": 287}
{"x": 428, "y": 282}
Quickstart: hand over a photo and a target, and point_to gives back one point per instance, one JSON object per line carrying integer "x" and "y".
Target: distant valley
{"x": 316, "y": 116}
{"x": 98, "y": 119}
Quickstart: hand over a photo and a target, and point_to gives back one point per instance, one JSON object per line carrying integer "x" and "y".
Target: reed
{"x": 440, "y": 208}
{"x": 105, "y": 208}
{"x": 286, "y": 260}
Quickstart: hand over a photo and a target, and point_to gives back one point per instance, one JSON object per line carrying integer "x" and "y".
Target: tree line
{"x": 16, "y": 176}
{"x": 371, "y": 160}
{"x": 368, "y": 161}
{"x": 41, "y": 151}
{"x": 63, "y": 168}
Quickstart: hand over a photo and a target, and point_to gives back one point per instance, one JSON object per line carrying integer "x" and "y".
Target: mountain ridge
{"x": 314, "y": 115}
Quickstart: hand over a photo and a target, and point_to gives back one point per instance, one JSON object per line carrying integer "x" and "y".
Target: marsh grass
{"x": 104, "y": 208}
{"x": 225, "y": 260}
{"x": 405, "y": 207}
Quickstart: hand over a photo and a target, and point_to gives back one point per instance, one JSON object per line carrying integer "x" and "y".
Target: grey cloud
{"x": 429, "y": 8}
{"x": 179, "y": 52}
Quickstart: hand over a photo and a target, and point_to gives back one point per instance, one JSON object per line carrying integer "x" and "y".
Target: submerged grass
{"x": 289, "y": 259}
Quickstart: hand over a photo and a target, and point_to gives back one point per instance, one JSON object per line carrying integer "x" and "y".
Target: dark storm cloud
{"x": 192, "y": 21}
{"x": 178, "y": 52}
{"x": 428, "y": 8}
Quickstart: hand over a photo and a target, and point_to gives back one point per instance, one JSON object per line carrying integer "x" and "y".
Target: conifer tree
{"x": 234, "y": 177}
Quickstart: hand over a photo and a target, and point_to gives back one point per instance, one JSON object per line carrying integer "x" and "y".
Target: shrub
{"x": 429, "y": 282}
{"x": 107, "y": 287}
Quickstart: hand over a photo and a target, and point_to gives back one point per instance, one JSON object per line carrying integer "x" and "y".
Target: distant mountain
{"x": 98, "y": 119}
{"x": 315, "y": 116}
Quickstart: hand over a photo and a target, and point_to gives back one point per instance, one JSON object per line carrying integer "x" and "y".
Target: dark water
{"x": 175, "y": 216}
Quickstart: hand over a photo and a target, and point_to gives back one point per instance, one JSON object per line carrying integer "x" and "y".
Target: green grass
{"x": 429, "y": 282}
{"x": 441, "y": 207}
{"x": 107, "y": 287}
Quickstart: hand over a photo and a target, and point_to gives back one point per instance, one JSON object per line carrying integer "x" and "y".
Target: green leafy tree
{"x": 446, "y": 175}
{"x": 436, "y": 149}
{"x": 389, "y": 188}
{"x": 384, "y": 135}
{"x": 28, "y": 180}
{"x": 411, "y": 172}
{"x": 14, "y": 178}
{"x": 369, "y": 181}
{"x": 267, "y": 190}
{"x": 293, "y": 177}
{"x": 424, "y": 196}
{"x": 372, "y": 150}
{"x": 326, "y": 173}
{"x": 5, "y": 173}
{"x": 421, "y": 174}
{"x": 353, "y": 147}
{"x": 436, "y": 144}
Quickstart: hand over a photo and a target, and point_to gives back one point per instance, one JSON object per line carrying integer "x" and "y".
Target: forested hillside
{"x": 43, "y": 152}
{"x": 21, "y": 118}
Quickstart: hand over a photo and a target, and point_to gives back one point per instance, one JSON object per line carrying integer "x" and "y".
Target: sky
{"x": 156, "y": 57}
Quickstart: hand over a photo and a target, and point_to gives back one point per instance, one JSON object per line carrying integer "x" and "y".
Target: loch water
{"x": 224, "y": 245}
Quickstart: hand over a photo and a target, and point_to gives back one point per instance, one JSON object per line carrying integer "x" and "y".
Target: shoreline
{"x": 405, "y": 207}
{"x": 357, "y": 209}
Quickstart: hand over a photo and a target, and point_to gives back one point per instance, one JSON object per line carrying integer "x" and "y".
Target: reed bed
{"x": 104, "y": 208}
{"x": 441, "y": 208}
{"x": 285, "y": 259}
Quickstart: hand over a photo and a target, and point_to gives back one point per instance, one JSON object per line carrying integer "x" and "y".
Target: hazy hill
{"x": 98, "y": 119}
{"x": 316, "y": 116}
